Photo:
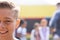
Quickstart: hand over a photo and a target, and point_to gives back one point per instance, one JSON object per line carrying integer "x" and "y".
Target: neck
{"x": 7, "y": 38}
{"x": 23, "y": 27}
{"x": 36, "y": 29}
{"x": 44, "y": 26}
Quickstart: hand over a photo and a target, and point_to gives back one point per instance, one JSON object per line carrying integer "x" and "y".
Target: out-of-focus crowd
{"x": 39, "y": 32}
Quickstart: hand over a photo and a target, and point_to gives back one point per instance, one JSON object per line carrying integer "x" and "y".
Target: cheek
{"x": 10, "y": 27}
{"x": 42, "y": 23}
{"x": 45, "y": 23}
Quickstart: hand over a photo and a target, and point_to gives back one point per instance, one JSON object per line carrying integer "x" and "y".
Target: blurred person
{"x": 37, "y": 24}
{"x": 44, "y": 30}
{"x": 35, "y": 35}
{"x": 21, "y": 31}
{"x": 8, "y": 20}
{"x": 18, "y": 22}
{"x": 55, "y": 23}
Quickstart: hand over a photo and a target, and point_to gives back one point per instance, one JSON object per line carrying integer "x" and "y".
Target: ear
{"x": 17, "y": 23}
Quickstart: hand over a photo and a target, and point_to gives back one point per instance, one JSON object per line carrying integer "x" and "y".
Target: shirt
{"x": 55, "y": 22}
{"x": 44, "y": 33}
{"x": 16, "y": 39}
{"x": 33, "y": 35}
{"x": 14, "y": 36}
{"x": 23, "y": 33}
{"x": 53, "y": 16}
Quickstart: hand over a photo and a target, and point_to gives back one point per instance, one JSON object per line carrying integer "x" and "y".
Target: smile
{"x": 4, "y": 32}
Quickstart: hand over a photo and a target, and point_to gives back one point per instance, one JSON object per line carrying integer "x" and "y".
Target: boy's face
{"x": 7, "y": 22}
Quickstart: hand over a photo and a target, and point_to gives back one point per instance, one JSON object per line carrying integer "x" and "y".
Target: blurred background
{"x": 34, "y": 10}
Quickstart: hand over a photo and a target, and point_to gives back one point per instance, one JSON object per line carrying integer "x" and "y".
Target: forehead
{"x": 6, "y": 13}
{"x": 44, "y": 20}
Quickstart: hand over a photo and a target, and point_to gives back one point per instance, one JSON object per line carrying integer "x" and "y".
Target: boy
{"x": 8, "y": 20}
{"x": 35, "y": 35}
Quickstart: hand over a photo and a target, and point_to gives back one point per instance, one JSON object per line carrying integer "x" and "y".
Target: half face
{"x": 7, "y": 22}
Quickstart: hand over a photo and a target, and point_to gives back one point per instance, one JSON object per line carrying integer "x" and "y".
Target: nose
{"x": 1, "y": 26}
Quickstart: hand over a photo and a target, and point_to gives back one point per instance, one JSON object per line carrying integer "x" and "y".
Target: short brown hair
{"x": 9, "y": 5}
{"x": 6, "y": 5}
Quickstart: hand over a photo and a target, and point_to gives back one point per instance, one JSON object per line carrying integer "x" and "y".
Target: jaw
{"x": 6, "y": 37}
{"x": 4, "y": 33}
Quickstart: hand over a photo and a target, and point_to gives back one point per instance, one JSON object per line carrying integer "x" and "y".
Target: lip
{"x": 4, "y": 32}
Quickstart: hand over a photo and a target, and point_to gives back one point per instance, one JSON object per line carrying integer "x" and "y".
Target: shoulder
{"x": 33, "y": 30}
{"x": 24, "y": 29}
{"x": 15, "y": 38}
{"x": 19, "y": 28}
{"x": 57, "y": 13}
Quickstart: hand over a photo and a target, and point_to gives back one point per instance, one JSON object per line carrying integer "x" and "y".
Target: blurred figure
{"x": 21, "y": 31}
{"x": 15, "y": 34}
{"x": 55, "y": 23}
{"x": 37, "y": 24}
{"x": 35, "y": 35}
{"x": 44, "y": 30}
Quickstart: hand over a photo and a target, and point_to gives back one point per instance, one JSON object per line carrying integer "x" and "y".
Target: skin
{"x": 44, "y": 22}
{"x": 7, "y": 24}
{"x": 37, "y": 26}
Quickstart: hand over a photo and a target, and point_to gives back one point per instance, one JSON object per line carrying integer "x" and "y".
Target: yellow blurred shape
{"x": 36, "y": 11}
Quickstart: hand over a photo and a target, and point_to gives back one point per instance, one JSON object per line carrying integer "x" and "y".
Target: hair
{"x": 9, "y": 6}
{"x": 58, "y": 4}
{"x": 21, "y": 22}
{"x": 35, "y": 24}
{"x": 43, "y": 19}
{"x": 6, "y": 5}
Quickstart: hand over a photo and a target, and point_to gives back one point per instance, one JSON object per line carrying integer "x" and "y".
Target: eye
{"x": 7, "y": 21}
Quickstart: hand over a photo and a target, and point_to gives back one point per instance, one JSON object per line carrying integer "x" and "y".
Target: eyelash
{"x": 8, "y": 22}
